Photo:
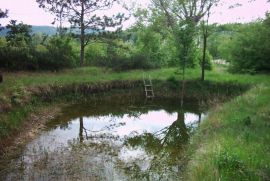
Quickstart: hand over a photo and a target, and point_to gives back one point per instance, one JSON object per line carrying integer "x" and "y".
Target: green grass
{"x": 14, "y": 81}
{"x": 81, "y": 75}
{"x": 232, "y": 144}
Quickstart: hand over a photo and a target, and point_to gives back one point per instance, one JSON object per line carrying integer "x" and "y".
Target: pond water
{"x": 111, "y": 140}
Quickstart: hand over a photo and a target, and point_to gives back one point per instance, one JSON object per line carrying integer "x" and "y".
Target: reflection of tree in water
{"x": 101, "y": 134}
{"x": 81, "y": 129}
{"x": 165, "y": 148}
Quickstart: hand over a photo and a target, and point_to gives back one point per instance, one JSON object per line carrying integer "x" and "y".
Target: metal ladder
{"x": 148, "y": 87}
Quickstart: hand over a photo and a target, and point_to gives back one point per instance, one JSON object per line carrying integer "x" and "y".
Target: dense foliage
{"x": 21, "y": 50}
{"x": 146, "y": 45}
{"x": 246, "y": 47}
{"x": 250, "y": 49}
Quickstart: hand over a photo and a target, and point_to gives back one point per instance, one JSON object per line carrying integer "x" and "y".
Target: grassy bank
{"x": 232, "y": 143}
{"x": 13, "y": 81}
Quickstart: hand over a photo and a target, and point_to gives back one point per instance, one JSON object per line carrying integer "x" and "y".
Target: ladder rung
{"x": 148, "y": 87}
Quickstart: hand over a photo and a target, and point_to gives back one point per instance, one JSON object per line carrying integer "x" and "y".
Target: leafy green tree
{"x": 250, "y": 49}
{"x": 83, "y": 14}
{"x": 220, "y": 38}
{"x": 183, "y": 17}
{"x": 57, "y": 55}
{"x": 18, "y": 35}
{"x": 152, "y": 39}
{"x": 17, "y": 53}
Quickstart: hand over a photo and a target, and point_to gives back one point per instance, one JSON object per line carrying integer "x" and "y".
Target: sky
{"x": 28, "y": 12}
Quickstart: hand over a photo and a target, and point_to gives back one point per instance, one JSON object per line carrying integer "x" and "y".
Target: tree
{"x": 18, "y": 35}
{"x": 250, "y": 48}
{"x": 85, "y": 15}
{"x": 182, "y": 18}
{"x": 205, "y": 36}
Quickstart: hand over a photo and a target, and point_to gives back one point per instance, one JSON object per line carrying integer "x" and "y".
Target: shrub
{"x": 56, "y": 54}
{"x": 230, "y": 165}
{"x": 17, "y": 58}
{"x": 59, "y": 54}
{"x": 250, "y": 49}
{"x": 136, "y": 61}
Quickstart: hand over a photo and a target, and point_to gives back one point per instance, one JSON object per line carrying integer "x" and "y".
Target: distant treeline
{"x": 246, "y": 48}
{"x": 48, "y": 30}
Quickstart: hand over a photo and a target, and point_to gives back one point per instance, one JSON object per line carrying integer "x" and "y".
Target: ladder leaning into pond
{"x": 148, "y": 87}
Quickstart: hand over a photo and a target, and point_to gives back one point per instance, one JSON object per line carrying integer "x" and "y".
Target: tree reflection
{"x": 102, "y": 134}
{"x": 81, "y": 129}
{"x": 166, "y": 148}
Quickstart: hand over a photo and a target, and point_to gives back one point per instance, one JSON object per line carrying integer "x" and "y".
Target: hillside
{"x": 49, "y": 30}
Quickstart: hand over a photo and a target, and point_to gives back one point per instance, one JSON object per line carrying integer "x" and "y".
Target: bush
{"x": 57, "y": 55}
{"x": 136, "y": 61}
{"x": 17, "y": 58}
{"x": 250, "y": 50}
{"x": 96, "y": 54}
{"x": 230, "y": 165}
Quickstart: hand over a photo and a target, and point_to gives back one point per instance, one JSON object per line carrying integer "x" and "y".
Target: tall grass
{"x": 233, "y": 143}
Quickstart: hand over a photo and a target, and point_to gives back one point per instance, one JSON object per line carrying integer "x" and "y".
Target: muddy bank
{"x": 11, "y": 146}
{"x": 171, "y": 88}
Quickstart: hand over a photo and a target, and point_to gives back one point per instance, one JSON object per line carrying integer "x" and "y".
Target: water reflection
{"x": 164, "y": 150}
{"x": 111, "y": 141}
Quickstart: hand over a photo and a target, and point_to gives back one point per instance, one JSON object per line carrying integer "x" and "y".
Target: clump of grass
{"x": 230, "y": 165}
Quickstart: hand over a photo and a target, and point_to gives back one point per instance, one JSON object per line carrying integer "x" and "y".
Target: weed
{"x": 230, "y": 163}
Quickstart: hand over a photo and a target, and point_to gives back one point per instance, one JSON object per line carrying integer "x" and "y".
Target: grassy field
{"x": 232, "y": 144}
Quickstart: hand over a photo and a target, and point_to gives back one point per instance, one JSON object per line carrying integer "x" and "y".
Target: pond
{"x": 113, "y": 139}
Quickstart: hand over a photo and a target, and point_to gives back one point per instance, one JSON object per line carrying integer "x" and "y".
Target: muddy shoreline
{"x": 34, "y": 124}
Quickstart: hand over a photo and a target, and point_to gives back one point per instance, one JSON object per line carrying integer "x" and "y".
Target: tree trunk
{"x": 182, "y": 127}
{"x": 82, "y": 36}
{"x": 204, "y": 53}
{"x": 205, "y": 36}
{"x": 183, "y": 77}
{"x": 82, "y": 51}
{"x": 183, "y": 86}
{"x": 81, "y": 130}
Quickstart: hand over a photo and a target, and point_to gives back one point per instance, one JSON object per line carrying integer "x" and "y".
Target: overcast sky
{"x": 28, "y": 12}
